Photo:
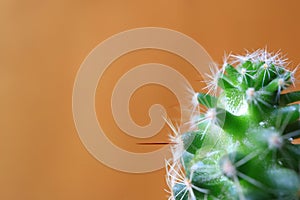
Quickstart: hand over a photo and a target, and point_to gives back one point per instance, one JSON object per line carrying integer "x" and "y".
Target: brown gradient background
{"x": 43, "y": 43}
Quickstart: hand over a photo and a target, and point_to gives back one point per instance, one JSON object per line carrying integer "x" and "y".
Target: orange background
{"x": 43, "y": 43}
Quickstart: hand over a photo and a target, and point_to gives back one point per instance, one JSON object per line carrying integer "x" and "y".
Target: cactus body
{"x": 242, "y": 146}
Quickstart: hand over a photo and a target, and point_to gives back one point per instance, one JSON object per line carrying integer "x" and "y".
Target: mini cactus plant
{"x": 242, "y": 144}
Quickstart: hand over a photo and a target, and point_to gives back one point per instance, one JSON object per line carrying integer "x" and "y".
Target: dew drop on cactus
{"x": 241, "y": 146}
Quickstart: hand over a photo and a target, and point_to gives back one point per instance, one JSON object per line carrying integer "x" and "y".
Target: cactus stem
{"x": 290, "y": 97}
{"x": 245, "y": 73}
{"x": 255, "y": 97}
{"x": 252, "y": 181}
{"x": 175, "y": 175}
{"x": 267, "y": 69}
{"x": 210, "y": 118}
{"x": 243, "y": 142}
{"x": 207, "y": 100}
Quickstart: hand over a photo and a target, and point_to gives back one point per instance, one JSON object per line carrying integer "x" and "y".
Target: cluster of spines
{"x": 242, "y": 145}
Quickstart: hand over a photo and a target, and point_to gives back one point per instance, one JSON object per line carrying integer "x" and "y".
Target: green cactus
{"x": 242, "y": 144}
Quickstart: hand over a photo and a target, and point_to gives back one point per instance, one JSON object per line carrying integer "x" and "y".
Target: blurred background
{"x": 43, "y": 43}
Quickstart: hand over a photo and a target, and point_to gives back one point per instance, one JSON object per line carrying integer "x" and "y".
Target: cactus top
{"x": 242, "y": 146}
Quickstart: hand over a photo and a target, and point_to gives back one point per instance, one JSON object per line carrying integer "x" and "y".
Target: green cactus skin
{"x": 242, "y": 145}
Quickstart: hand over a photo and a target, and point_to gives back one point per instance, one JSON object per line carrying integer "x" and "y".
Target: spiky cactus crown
{"x": 243, "y": 145}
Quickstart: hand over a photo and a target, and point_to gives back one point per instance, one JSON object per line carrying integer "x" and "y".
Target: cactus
{"x": 241, "y": 144}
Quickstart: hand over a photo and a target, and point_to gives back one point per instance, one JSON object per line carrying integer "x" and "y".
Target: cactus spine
{"x": 242, "y": 146}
